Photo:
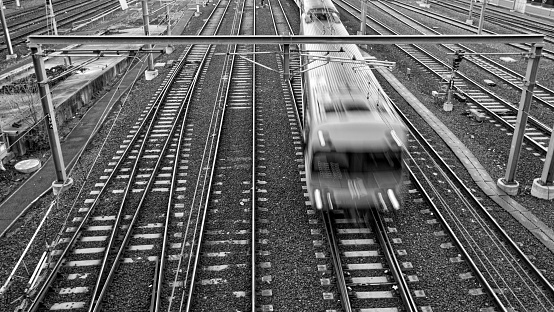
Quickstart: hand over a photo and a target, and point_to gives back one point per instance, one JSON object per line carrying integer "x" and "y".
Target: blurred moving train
{"x": 354, "y": 140}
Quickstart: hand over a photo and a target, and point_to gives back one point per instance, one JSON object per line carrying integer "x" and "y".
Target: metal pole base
{"x": 150, "y": 74}
{"x": 447, "y": 106}
{"x": 58, "y": 187}
{"x": 510, "y": 188}
{"x": 424, "y": 4}
{"x": 11, "y": 57}
{"x": 541, "y": 190}
{"x": 469, "y": 21}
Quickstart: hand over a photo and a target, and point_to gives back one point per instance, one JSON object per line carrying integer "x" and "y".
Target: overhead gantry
{"x": 543, "y": 187}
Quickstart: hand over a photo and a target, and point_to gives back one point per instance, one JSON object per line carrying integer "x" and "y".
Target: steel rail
{"x": 335, "y": 255}
{"x": 216, "y": 137}
{"x": 253, "y": 181}
{"x": 210, "y": 167}
{"x": 475, "y": 203}
{"x": 390, "y": 256}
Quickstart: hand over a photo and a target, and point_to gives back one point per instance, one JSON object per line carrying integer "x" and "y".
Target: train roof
{"x": 319, "y": 5}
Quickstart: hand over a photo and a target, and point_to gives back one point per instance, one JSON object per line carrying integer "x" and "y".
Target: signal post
{"x": 447, "y": 106}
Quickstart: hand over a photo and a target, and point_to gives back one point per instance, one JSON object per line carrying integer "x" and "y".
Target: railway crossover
{"x": 219, "y": 270}
{"x": 133, "y": 240}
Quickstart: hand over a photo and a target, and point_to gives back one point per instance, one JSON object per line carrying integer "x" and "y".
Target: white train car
{"x": 353, "y": 139}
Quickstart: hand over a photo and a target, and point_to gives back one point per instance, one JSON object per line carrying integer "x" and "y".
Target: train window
{"x": 333, "y": 163}
{"x": 340, "y": 159}
{"x": 381, "y": 161}
{"x": 330, "y": 165}
{"x": 356, "y": 107}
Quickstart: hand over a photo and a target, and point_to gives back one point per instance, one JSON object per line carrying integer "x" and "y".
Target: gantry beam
{"x": 365, "y": 39}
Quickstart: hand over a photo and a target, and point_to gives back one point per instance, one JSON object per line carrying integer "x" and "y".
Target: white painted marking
{"x": 67, "y": 306}
{"x": 368, "y": 241}
{"x": 374, "y": 294}
{"x": 89, "y": 250}
{"x": 139, "y": 259}
{"x": 77, "y": 276}
{"x": 141, "y": 247}
{"x": 73, "y": 290}
{"x": 364, "y": 266}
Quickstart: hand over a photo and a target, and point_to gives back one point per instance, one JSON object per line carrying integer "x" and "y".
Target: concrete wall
{"x": 68, "y": 106}
{"x": 539, "y": 11}
{"x": 524, "y": 6}
{"x": 71, "y": 95}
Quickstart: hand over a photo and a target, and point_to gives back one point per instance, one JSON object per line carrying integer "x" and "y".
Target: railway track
{"x": 366, "y": 271}
{"x": 541, "y": 94}
{"x": 537, "y": 133}
{"x": 547, "y": 54}
{"x": 450, "y": 201}
{"x": 33, "y": 15}
{"x": 219, "y": 271}
{"x": 354, "y": 241}
{"x": 293, "y": 86}
{"x": 127, "y": 239}
{"x": 25, "y": 26}
{"x": 505, "y": 272}
{"x": 498, "y": 16}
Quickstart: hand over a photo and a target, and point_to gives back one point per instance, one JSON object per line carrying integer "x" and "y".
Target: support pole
{"x": 547, "y": 176}
{"x": 168, "y": 19}
{"x": 286, "y": 61}
{"x": 482, "y": 17}
{"x": 49, "y": 114}
{"x": 146, "y": 21}
{"x": 448, "y": 105}
{"x": 53, "y": 17}
{"x": 6, "y": 32}
{"x": 543, "y": 187}
{"x": 151, "y": 73}
{"x": 469, "y": 15}
{"x": 508, "y": 183}
{"x": 363, "y": 17}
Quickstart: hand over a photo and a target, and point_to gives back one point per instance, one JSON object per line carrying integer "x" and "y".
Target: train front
{"x": 355, "y": 165}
